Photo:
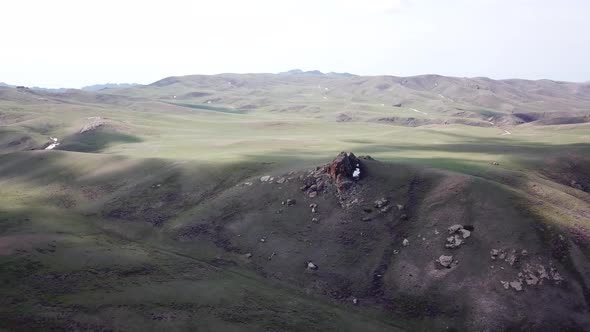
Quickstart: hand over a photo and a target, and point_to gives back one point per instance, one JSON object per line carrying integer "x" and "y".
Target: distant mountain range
{"x": 95, "y": 87}
{"x": 98, "y": 87}
{"x": 314, "y": 73}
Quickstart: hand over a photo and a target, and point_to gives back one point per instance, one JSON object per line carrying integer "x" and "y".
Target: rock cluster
{"x": 315, "y": 182}
{"x": 94, "y": 123}
{"x": 458, "y": 234}
{"x": 445, "y": 261}
{"x": 509, "y": 256}
{"x": 531, "y": 275}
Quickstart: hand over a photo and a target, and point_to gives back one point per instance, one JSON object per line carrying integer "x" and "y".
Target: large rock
{"x": 345, "y": 168}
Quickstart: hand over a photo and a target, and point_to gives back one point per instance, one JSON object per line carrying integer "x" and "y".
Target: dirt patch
{"x": 11, "y": 243}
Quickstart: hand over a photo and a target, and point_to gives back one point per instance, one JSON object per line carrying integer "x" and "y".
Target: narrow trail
{"x": 417, "y": 111}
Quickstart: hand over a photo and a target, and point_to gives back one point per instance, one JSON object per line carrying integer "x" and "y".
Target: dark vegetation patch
{"x": 96, "y": 140}
{"x": 207, "y": 107}
{"x": 195, "y": 94}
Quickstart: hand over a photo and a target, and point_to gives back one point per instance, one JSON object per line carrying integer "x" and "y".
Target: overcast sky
{"x": 72, "y": 43}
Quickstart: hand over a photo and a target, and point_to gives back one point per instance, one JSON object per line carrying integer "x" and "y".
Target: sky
{"x": 73, "y": 43}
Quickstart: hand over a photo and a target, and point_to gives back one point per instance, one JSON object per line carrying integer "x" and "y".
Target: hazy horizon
{"x": 71, "y": 44}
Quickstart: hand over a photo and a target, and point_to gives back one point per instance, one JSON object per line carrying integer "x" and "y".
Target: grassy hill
{"x": 154, "y": 211}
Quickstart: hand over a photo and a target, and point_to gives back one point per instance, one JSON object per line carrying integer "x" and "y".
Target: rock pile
{"x": 315, "y": 182}
{"x": 531, "y": 275}
{"x": 93, "y": 124}
{"x": 445, "y": 261}
{"x": 457, "y": 237}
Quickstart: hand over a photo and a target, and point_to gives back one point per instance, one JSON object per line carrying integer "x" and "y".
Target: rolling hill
{"x": 224, "y": 203}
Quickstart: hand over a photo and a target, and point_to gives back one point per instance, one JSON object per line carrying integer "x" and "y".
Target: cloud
{"x": 371, "y": 6}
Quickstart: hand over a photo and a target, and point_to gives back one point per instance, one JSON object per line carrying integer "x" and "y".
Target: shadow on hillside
{"x": 95, "y": 141}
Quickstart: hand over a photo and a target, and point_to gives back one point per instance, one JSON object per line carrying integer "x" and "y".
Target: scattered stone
{"x": 445, "y": 261}
{"x": 366, "y": 219}
{"x": 95, "y": 122}
{"x": 313, "y": 194}
{"x": 281, "y": 180}
{"x": 395, "y": 252}
{"x": 506, "y": 284}
{"x": 381, "y": 202}
{"x": 516, "y": 285}
{"x": 248, "y": 255}
{"x": 455, "y": 228}
{"x": 385, "y": 209}
{"x": 495, "y": 163}
{"x": 405, "y": 242}
{"x": 555, "y": 276}
{"x": 454, "y": 241}
{"x": 524, "y": 253}
{"x": 290, "y": 202}
{"x": 315, "y": 220}
{"x": 542, "y": 272}
{"x": 458, "y": 235}
{"x": 314, "y": 207}
{"x": 465, "y": 233}
{"x": 265, "y": 178}
{"x": 311, "y": 266}
{"x": 355, "y": 301}
{"x": 436, "y": 232}
{"x": 494, "y": 253}
{"x": 404, "y": 217}
{"x": 531, "y": 279}
{"x": 271, "y": 255}
{"x": 263, "y": 240}
{"x": 400, "y": 207}
{"x": 512, "y": 259}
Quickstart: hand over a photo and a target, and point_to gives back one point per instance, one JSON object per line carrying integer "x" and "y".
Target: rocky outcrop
{"x": 344, "y": 169}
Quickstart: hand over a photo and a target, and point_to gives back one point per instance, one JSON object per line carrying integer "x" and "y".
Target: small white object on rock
{"x": 357, "y": 173}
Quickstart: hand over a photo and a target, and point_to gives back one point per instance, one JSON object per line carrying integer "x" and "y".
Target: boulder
{"x": 314, "y": 207}
{"x": 381, "y": 202}
{"x": 516, "y": 285}
{"x": 454, "y": 241}
{"x": 445, "y": 261}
